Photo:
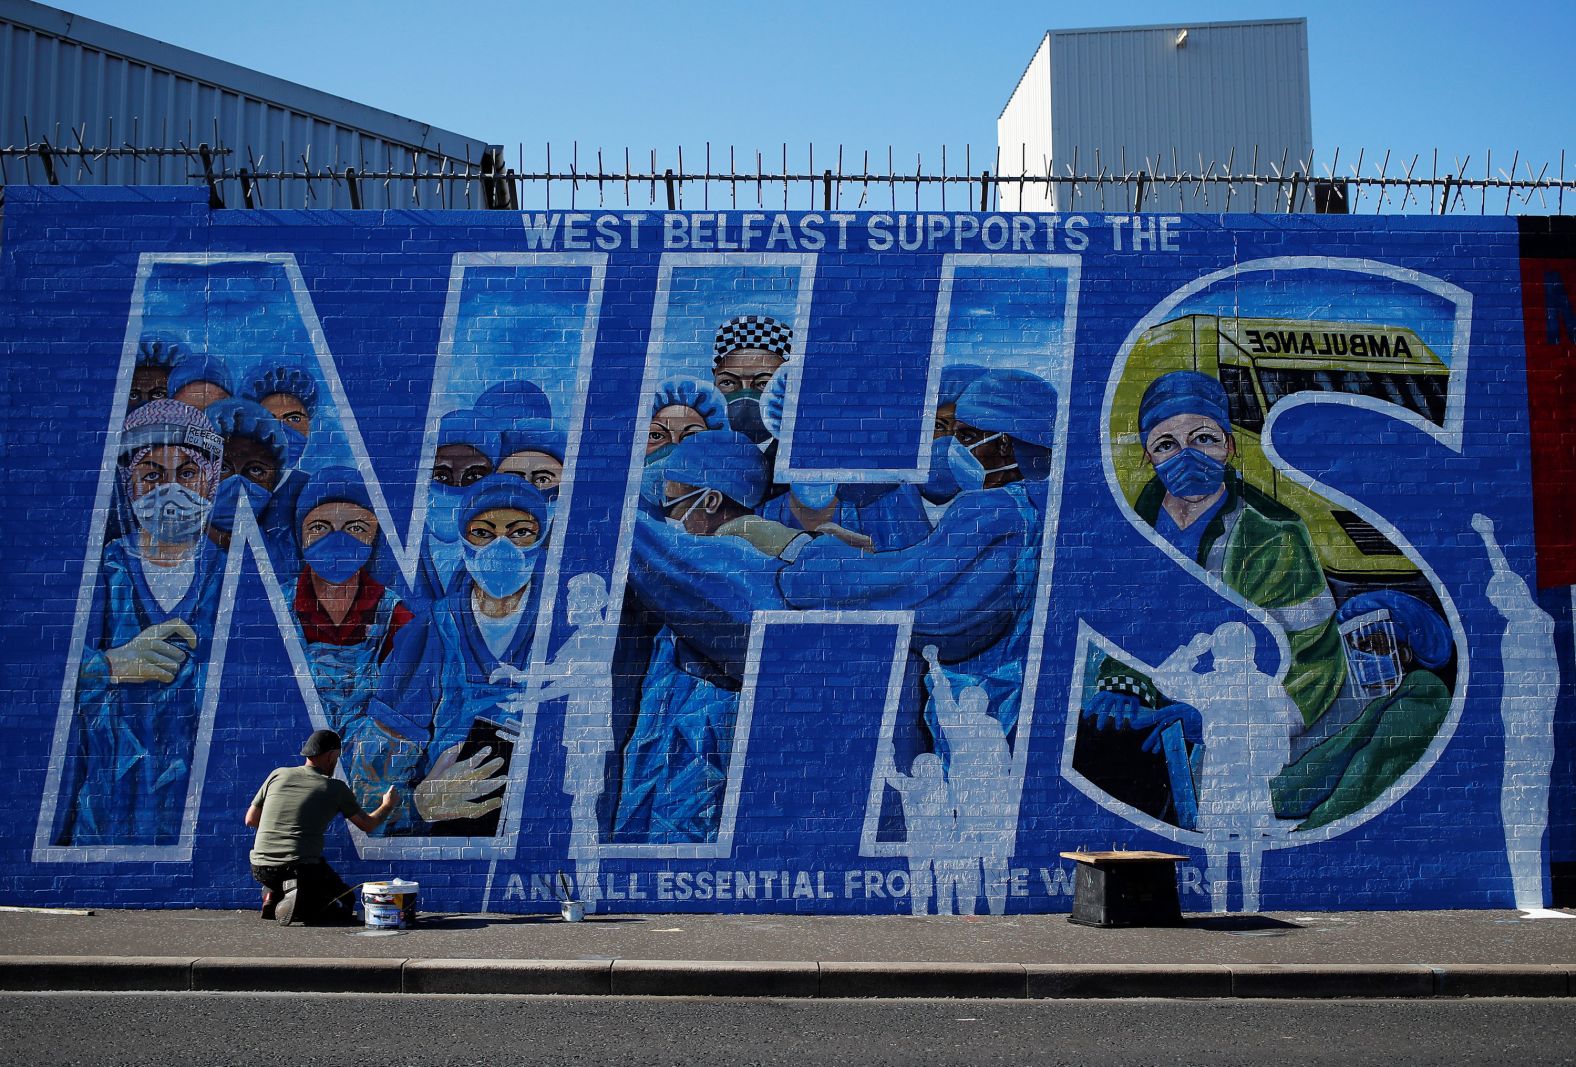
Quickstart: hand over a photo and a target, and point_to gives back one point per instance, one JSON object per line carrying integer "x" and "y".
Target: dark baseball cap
{"x": 321, "y": 741}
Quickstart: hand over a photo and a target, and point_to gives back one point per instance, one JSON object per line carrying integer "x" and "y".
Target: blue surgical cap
{"x": 955, "y": 379}
{"x": 467, "y": 426}
{"x": 159, "y": 352}
{"x": 242, "y": 418}
{"x": 1012, "y": 402}
{"x": 1417, "y": 624}
{"x": 329, "y": 485}
{"x": 284, "y": 378}
{"x": 199, "y": 367}
{"x": 724, "y": 460}
{"x": 1183, "y": 392}
{"x": 703, "y": 397}
{"x": 503, "y": 491}
{"x": 516, "y": 399}
{"x": 532, "y": 435}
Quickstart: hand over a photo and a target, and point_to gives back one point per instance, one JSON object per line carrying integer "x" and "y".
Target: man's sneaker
{"x": 284, "y": 909}
{"x": 270, "y": 903}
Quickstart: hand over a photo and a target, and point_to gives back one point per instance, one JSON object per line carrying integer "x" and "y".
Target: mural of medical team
{"x": 1394, "y": 644}
{"x": 140, "y": 684}
{"x": 454, "y": 685}
{"x": 348, "y": 619}
{"x": 701, "y": 572}
{"x": 972, "y": 581}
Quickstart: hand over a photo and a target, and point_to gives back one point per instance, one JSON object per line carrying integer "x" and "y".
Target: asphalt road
{"x": 172, "y": 1028}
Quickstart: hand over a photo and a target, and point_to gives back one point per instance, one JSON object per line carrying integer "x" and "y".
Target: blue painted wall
{"x": 910, "y": 629}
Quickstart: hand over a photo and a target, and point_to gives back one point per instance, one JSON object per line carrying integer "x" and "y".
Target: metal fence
{"x": 712, "y": 180}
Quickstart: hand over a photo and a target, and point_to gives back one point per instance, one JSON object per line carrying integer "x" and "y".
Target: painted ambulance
{"x": 1261, "y": 362}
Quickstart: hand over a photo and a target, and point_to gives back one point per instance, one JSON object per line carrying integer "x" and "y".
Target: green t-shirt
{"x": 298, "y": 804}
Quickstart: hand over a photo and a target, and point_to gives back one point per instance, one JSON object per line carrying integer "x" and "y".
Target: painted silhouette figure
{"x": 1530, "y": 682}
{"x": 931, "y": 819}
{"x": 979, "y": 773}
{"x": 1246, "y": 722}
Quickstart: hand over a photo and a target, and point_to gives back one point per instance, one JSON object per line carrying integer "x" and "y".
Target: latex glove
{"x": 1186, "y": 714}
{"x": 1109, "y": 708}
{"x": 847, "y": 536}
{"x": 151, "y": 656}
{"x": 511, "y": 675}
{"x": 454, "y": 788}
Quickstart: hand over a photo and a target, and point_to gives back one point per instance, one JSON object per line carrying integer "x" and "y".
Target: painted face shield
{"x": 1373, "y": 654}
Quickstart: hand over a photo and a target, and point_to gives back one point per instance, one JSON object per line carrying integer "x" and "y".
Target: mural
{"x": 789, "y": 562}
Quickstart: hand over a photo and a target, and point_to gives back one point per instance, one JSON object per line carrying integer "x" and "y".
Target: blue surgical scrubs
{"x": 133, "y": 745}
{"x": 971, "y": 585}
{"x": 437, "y": 680}
{"x": 675, "y": 763}
{"x": 892, "y": 516}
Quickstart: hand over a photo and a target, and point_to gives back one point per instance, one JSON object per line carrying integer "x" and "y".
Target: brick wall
{"x": 786, "y": 562}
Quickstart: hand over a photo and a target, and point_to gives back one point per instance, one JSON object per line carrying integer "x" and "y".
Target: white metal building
{"x": 1158, "y": 99}
{"x": 65, "y": 77}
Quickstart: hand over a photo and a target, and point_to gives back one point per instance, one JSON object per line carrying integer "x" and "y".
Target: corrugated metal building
{"x": 1167, "y": 99}
{"x": 60, "y": 73}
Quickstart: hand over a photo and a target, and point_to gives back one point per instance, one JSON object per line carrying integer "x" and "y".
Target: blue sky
{"x": 1408, "y": 76}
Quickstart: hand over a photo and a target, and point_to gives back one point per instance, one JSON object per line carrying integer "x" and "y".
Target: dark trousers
{"x": 321, "y": 895}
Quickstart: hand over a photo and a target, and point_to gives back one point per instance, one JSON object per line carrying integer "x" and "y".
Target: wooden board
{"x": 1122, "y": 857}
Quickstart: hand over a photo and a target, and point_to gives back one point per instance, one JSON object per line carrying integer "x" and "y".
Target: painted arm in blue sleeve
{"x": 705, "y": 588}
{"x": 958, "y": 581}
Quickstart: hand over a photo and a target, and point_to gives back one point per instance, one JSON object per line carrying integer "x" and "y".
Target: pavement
{"x": 1285, "y": 954}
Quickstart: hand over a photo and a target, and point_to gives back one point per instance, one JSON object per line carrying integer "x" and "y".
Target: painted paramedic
{"x": 151, "y": 622}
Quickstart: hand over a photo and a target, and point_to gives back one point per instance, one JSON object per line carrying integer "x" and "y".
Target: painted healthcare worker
{"x": 1259, "y": 548}
{"x": 439, "y": 683}
{"x": 200, "y": 379}
{"x": 748, "y": 350}
{"x": 1394, "y": 645}
{"x": 255, "y": 461}
{"x": 150, "y": 379}
{"x": 703, "y": 572}
{"x": 972, "y": 582}
{"x": 348, "y": 620}
{"x": 681, "y": 407}
{"x": 150, "y": 629}
{"x": 289, "y": 393}
{"x": 466, "y": 453}
{"x": 533, "y": 449}
{"x": 942, "y": 484}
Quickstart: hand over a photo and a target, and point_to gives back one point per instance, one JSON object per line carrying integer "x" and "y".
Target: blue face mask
{"x": 744, "y": 415}
{"x": 653, "y": 479}
{"x": 501, "y": 568}
{"x": 229, "y": 495}
{"x": 1191, "y": 473}
{"x": 443, "y": 511}
{"x": 816, "y": 496}
{"x": 942, "y": 484}
{"x": 295, "y": 447}
{"x": 967, "y": 471}
{"x": 336, "y": 557}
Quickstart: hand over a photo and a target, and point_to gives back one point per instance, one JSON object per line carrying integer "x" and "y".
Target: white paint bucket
{"x": 390, "y": 905}
{"x": 573, "y": 911}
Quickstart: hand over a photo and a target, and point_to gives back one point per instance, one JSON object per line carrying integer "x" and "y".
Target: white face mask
{"x": 677, "y": 521}
{"x": 172, "y": 514}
